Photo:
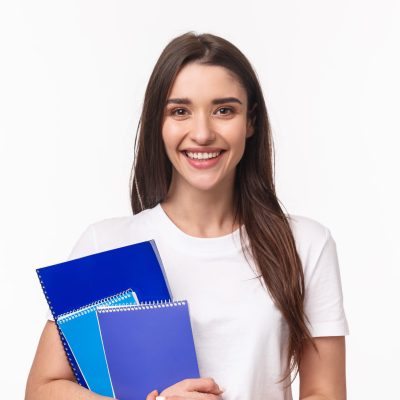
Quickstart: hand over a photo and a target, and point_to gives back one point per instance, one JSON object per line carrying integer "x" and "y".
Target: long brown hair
{"x": 256, "y": 206}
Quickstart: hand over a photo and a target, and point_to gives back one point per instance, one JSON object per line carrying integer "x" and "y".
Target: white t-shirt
{"x": 240, "y": 335}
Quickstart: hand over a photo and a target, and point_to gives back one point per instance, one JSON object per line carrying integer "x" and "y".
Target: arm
{"x": 51, "y": 375}
{"x": 323, "y": 376}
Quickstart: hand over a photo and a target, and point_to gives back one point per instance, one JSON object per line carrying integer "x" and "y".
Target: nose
{"x": 201, "y": 131}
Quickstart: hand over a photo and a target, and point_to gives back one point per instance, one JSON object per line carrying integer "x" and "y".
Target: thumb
{"x": 152, "y": 395}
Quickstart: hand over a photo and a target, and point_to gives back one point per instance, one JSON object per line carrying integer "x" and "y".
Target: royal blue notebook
{"x": 81, "y": 331}
{"x": 75, "y": 283}
{"x": 147, "y": 347}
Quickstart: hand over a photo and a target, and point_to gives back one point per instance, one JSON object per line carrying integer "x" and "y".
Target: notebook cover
{"x": 147, "y": 347}
{"x": 81, "y": 331}
{"x": 74, "y": 283}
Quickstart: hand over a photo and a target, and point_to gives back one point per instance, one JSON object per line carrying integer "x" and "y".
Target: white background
{"x": 72, "y": 81}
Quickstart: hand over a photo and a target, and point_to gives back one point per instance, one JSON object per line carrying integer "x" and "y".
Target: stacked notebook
{"x": 122, "y": 333}
{"x": 147, "y": 347}
{"x": 81, "y": 331}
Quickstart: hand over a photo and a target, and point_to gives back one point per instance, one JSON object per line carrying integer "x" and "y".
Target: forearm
{"x": 62, "y": 389}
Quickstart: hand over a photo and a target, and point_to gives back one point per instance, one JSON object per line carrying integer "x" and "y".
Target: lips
{"x": 203, "y": 149}
{"x": 202, "y": 155}
{"x": 204, "y": 163}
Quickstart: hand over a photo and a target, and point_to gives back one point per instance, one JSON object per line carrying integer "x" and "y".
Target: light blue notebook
{"x": 81, "y": 330}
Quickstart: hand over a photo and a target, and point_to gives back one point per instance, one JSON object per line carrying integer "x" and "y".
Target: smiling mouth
{"x": 200, "y": 156}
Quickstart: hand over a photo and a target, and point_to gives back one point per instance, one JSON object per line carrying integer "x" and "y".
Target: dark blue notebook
{"x": 147, "y": 347}
{"x": 75, "y": 283}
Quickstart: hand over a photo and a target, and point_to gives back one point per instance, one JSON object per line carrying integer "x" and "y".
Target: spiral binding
{"x": 142, "y": 306}
{"x": 92, "y": 306}
{"x": 71, "y": 359}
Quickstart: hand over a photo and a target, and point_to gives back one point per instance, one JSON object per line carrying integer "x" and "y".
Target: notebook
{"x": 75, "y": 283}
{"x": 81, "y": 331}
{"x": 147, "y": 347}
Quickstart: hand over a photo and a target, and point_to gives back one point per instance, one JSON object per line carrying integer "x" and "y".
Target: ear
{"x": 251, "y": 119}
{"x": 249, "y": 131}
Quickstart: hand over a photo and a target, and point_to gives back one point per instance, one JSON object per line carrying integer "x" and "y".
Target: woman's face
{"x": 205, "y": 126}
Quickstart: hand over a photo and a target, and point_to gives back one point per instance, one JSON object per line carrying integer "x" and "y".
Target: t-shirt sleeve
{"x": 85, "y": 246}
{"x": 323, "y": 303}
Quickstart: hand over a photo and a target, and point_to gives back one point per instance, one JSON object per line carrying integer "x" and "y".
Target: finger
{"x": 152, "y": 395}
{"x": 193, "y": 396}
{"x": 205, "y": 385}
{"x": 174, "y": 398}
{"x": 204, "y": 396}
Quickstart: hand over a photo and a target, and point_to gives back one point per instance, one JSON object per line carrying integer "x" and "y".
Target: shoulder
{"x": 121, "y": 231}
{"x": 311, "y": 238}
{"x": 323, "y": 301}
{"x": 114, "y": 225}
{"x": 110, "y": 233}
{"x": 307, "y": 230}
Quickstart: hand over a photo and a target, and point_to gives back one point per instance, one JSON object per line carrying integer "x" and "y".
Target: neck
{"x": 201, "y": 213}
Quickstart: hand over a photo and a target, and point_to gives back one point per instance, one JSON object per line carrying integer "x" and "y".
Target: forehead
{"x": 205, "y": 82}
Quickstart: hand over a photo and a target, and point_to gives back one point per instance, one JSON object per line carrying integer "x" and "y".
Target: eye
{"x": 226, "y": 110}
{"x": 178, "y": 112}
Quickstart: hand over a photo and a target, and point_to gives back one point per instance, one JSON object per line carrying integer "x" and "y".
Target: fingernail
{"x": 160, "y": 398}
{"x": 222, "y": 389}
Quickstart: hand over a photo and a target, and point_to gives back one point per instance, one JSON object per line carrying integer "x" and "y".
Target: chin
{"x": 204, "y": 186}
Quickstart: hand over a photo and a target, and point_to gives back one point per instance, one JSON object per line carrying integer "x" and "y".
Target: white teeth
{"x": 203, "y": 156}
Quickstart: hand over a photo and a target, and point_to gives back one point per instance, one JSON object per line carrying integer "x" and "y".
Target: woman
{"x": 263, "y": 287}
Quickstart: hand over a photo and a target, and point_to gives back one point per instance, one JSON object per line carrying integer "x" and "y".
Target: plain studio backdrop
{"x": 72, "y": 82}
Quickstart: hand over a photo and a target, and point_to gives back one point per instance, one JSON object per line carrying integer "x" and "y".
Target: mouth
{"x": 201, "y": 155}
{"x": 202, "y": 160}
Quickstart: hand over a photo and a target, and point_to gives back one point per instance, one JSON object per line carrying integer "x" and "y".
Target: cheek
{"x": 170, "y": 136}
{"x": 235, "y": 135}
{"x": 172, "y": 128}
{"x": 239, "y": 149}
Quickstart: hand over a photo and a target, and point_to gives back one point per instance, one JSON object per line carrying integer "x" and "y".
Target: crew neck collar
{"x": 226, "y": 243}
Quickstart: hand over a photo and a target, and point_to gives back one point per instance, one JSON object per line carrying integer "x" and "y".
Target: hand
{"x": 188, "y": 389}
{"x": 152, "y": 395}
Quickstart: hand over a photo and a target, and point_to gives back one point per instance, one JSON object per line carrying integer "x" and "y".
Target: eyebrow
{"x": 185, "y": 100}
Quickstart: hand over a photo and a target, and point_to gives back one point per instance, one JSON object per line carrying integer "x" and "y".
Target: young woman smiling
{"x": 263, "y": 286}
